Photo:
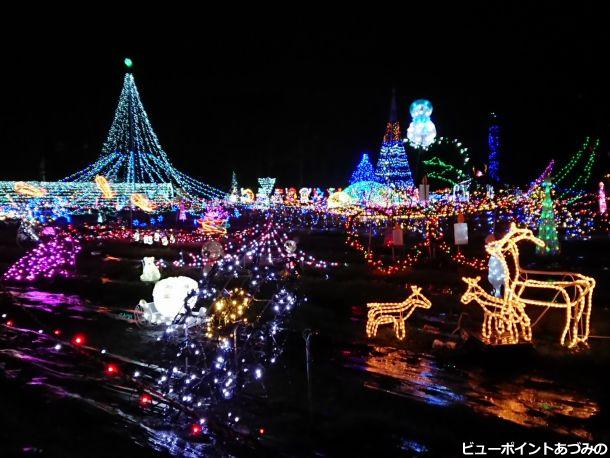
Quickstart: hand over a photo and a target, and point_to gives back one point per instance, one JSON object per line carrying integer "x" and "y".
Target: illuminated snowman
{"x": 421, "y": 132}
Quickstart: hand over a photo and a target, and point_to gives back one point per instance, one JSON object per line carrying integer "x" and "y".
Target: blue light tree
{"x": 364, "y": 171}
{"x": 393, "y": 166}
{"x": 493, "y": 140}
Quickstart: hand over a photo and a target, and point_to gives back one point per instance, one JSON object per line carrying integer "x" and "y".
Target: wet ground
{"x": 365, "y": 397}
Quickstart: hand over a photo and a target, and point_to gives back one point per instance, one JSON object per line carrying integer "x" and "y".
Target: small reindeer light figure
{"x": 395, "y": 313}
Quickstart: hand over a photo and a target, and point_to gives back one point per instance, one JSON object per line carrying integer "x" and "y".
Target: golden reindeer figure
{"x": 568, "y": 290}
{"x": 501, "y": 321}
{"x": 395, "y": 313}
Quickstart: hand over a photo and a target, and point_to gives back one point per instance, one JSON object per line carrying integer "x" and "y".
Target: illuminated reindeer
{"x": 395, "y": 312}
{"x": 499, "y": 318}
{"x": 570, "y": 291}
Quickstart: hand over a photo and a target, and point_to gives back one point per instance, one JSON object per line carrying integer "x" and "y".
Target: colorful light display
{"x": 372, "y": 194}
{"x": 265, "y": 188}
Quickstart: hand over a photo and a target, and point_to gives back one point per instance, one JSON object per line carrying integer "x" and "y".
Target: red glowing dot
{"x": 196, "y": 429}
{"x": 145, "y": 399}
{"x": 57, "y": 332}
{"x": 112, "y": 369}
{"x": 261, "y": 431}
{"x": 78, "y": 339}
{"x": 10, "y": 323}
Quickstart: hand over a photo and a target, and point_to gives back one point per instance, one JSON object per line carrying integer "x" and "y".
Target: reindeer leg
{"x": 566, "y": 328}
{"x": 588, "y": 305}
{"x": 372, "y": 330}
{"x": 401, "y": 333}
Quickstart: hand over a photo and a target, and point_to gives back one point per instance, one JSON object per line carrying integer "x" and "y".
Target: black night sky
{"x": 302, "y": 98}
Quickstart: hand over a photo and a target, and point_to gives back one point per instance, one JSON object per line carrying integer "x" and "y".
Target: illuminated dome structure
{"x": 371, "y": 193}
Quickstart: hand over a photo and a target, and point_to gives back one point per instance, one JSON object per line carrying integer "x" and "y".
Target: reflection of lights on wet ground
{"x": 527, "y": 400}
{"x": 412, "y": 446}
{"x": 420, "y": 373}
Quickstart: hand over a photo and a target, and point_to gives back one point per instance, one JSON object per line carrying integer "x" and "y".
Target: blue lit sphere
{"x": 421, "y": 108}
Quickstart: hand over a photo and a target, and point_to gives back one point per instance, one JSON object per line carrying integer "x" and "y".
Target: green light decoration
{"x": 581, "y": 180}
{"x": 547, "y": 228}
{"x": 441, "y": 170}
{"x": 128, "y": 62}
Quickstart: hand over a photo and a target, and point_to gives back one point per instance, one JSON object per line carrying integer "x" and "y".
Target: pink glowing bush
{"x": 49, "y": 259}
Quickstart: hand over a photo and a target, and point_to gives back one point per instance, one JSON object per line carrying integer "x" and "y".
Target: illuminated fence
{"x": 84, "y": 195}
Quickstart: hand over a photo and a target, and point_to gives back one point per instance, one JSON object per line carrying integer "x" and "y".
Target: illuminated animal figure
{"x": 568, "y": 290}
{"x": 142, "y": 202}
{"x": 150, "y": 271}
{"x": 104, "y": 186}
{"x": 501, "y": 321}
{"x": 29, "y": 190}
{"x": 395, "y": 313}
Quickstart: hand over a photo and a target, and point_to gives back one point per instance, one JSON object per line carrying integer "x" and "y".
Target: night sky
{"x": 301, "y": 98}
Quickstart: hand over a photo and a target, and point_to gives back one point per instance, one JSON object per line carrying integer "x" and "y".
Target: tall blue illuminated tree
{"x": 132, "y": 152}
{"x": 393, "y": 166}
{"x": 364, "y": 171}
{"x": 493, "y": 139}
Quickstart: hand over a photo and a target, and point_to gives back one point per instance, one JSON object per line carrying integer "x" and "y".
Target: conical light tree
{"x": 364, "y": 171}
{"x": 393, "y": 166}
{"x": 547, "y": 228}
{"x": 132, "y": 153}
